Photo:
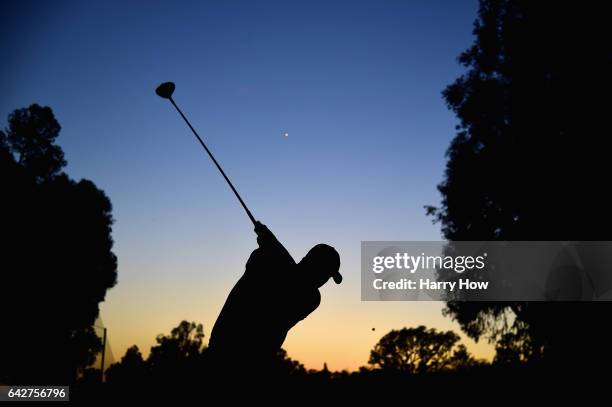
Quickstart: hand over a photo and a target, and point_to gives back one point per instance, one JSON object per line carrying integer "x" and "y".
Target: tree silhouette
{"x": 31, "y": 135}
{"x": 129, "y": 370}
{"x": 517, "y": 347}
{"x": 181, "y": 357}
{"x": 419, "y": 350}
{"x": 57, "y": 261}
{"x": 178, "y": 355}
{"x": 284, "y": 366}
{"x": 529, "y": 155}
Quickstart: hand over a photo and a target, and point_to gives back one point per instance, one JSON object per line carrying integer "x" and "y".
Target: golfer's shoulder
{"x": 259, "y": 258}
{"x": 270, "y": 260}
{"x": 254, "y": 257}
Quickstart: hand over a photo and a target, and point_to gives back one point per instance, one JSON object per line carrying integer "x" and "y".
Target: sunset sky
{"x": 357, "y": 87}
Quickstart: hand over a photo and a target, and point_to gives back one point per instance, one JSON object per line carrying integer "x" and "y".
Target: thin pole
{"x": 103, "y": 354}
{"x": 195, "y": 133}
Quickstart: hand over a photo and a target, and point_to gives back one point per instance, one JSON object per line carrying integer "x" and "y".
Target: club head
{"x": 165, "y": 90}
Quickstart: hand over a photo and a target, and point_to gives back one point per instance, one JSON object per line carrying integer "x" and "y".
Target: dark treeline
{"x": 178, "y": 356}
{"x": 418, "y": 363}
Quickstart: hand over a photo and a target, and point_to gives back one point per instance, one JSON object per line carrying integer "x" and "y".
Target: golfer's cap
{"x": 330, "y": 257}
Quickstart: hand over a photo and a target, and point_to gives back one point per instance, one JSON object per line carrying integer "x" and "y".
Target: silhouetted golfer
{"x": 273, "y": 295}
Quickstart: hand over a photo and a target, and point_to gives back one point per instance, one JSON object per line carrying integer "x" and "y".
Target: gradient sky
{"x": 357, "y": 85}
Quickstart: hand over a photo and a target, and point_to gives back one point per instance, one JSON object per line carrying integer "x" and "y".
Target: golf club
{"x": 165, "y": 90}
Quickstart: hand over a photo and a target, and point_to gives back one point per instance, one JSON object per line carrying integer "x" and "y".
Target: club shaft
{"x": 195, "y": 133}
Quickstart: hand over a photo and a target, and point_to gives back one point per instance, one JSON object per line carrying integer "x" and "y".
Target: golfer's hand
{"x": 264, "y": 236}
{"x": 269, "y": 243}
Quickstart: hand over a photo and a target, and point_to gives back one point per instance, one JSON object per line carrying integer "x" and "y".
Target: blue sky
{"x": 357, "y": 85}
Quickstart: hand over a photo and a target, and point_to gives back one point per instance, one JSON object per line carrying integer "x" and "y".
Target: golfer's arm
{"x": 267, "y": 241}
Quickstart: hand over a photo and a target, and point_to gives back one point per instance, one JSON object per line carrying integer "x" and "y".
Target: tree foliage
{"x": 31, "y": 138}
{"x": 529, "y": 154}
{"x": 182, "y": 347}
{"x": 181, "y": 356}
{"x": 419, "y": 350}
{"x": 57, "y": 261}
{"x": 130, "y": 369}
